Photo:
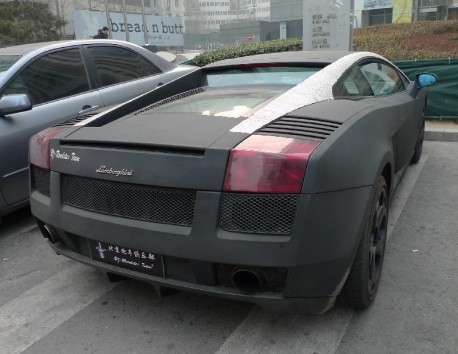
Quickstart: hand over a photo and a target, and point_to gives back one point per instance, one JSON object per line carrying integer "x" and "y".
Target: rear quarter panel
{"x": 355, "y": 155}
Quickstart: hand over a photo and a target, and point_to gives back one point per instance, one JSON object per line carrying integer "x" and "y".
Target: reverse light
{"x": 39, "y": 146}
{"x": 268, "y": 164}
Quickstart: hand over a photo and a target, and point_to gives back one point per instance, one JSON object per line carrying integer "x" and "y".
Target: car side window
{"x": 51, "y": 77}
{"x": 383, "y": 79}
{"x": 115, "y": 65}
{"x": 353, "y": 83}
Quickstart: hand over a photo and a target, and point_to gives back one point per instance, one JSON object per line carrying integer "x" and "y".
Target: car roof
{"x": 313, "y": 57}
{"x": 24, "y": 50}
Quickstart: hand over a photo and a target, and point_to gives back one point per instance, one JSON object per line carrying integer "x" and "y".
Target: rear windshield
{"x": 6, "y": 61}
{"x": 223, "y": 103}
{"x": 269, "y": 75}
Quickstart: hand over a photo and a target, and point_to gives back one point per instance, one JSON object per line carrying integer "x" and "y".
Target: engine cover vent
{"x": 302, "y": 128}
{"x": 72, "y": 121}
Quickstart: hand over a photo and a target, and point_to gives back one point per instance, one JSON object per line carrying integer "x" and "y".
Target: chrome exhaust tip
{"x": 248, "y": 281}
{"x": 50, "y": 233}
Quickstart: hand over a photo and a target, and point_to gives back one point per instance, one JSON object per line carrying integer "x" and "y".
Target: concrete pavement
{"x": 441, "y": 130}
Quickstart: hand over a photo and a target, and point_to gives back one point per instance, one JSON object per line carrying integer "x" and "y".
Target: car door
{"x": 388, "y": 85}
{"x": 123, "y": 73}
{"x": 58, "y": 87}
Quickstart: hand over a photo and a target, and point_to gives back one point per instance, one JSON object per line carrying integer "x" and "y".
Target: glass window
{"x": 380, "y": 16}
{"x": 225, "y": 103}
{"x": 6, "y": 61}
{"x": 51, "y": 77}
{"x": 383, "y": 79}
{"x": 260, "y": 76}
{"x": 371, "y": 79}
{"x": 353, "y": 83}
{"x": 115, "y": 65}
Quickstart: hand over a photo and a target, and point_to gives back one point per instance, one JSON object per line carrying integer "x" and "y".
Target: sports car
{"x": 265, "y": 179}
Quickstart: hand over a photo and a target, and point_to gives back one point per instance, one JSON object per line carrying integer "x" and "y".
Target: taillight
{"x": 268, "y": 164}
{"x": 39, "y": 146}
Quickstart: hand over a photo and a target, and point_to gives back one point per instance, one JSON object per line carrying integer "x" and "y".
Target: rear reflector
{"x": 39, "y": 146}
{"x": 268, "y": 164}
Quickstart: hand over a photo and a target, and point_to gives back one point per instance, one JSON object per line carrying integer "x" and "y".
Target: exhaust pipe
{"x": 247, "y": 280}
{"x": 50, "y": 233}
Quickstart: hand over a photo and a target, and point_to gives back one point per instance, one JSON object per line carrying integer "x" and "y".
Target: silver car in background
{"x": 42, "y": 84}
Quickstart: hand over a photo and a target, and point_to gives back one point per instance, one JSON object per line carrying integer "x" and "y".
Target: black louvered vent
{"x": 170, "y": 99}
{"x": 299, "y": 127}
{"x": 72, "y": 121}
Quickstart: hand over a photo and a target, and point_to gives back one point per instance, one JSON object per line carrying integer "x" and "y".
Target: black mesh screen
{"x": 41, "y": 180}
{"x": 275, "y": 278}
{"x": 258, "y": 213}
{"x": 154, "y": 204}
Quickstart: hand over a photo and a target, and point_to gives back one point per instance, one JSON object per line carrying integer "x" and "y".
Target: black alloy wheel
{"x": 419, "y": 144}
{"x": 364, "y": 278}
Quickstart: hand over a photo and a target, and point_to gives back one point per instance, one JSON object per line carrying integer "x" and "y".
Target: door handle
{"x": 87, "y": 109}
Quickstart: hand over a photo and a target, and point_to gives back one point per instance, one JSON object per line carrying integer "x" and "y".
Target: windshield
{"x": 223, "y": 103}
{"x": 6, "y": 61}
{"x": 269, "y": 75}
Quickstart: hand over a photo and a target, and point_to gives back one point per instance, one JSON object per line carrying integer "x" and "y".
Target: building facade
{"x": 375, "y": 12}
{"x": 211, "y": 16}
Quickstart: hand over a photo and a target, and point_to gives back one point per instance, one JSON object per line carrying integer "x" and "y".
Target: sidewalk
{"x": 441, "y": 130}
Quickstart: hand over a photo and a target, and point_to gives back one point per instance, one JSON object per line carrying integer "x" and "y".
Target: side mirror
{"x": 425, "y": 79}
{"x": 14, "y": 104}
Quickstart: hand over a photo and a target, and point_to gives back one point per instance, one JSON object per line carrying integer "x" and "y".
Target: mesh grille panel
{"x": 258, "y": 213}
{"x": 275, "y": 278}
{"x": 41, "y": 180}
{"x": 153, "y": 204}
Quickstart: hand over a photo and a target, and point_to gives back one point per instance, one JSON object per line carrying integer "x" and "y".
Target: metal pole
{"x": 110, "y": 35}
{"x": 352, "y": 17}
{"x": 58, "y": 16}
{"x": 145, "y": 28}
{"x": 125, "y": 19}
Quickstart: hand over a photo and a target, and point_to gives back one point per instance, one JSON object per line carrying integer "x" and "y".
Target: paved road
{"x": 49, "y": 304}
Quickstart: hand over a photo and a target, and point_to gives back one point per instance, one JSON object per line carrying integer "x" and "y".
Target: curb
{"x": 441, "y": 130}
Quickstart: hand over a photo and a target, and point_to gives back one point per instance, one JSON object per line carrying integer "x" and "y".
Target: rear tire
{"x": 364, "y": 278}
{"x": 419, "y": 145}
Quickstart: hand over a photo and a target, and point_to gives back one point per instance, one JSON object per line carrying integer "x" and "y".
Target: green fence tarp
{"x": 442, "y": 97}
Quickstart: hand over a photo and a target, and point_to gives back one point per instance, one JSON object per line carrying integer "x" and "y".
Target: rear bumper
{"x": 269, "y": 301}
{"x": 315, "y": 257}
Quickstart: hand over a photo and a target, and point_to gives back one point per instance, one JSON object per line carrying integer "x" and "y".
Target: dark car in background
{"x": 42, "y": 84}
{"x": 265, "y": 179}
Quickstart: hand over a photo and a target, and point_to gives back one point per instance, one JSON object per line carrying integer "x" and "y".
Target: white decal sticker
{"x": 316, "y": 88}
{"x": 62, "y": 155}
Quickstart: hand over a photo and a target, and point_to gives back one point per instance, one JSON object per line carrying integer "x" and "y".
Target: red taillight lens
{"x": 39, "y": 146}
{"x": 268, "y": 164}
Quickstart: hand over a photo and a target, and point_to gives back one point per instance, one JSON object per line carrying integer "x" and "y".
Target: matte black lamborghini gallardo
{"x": 264, "y": 179}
